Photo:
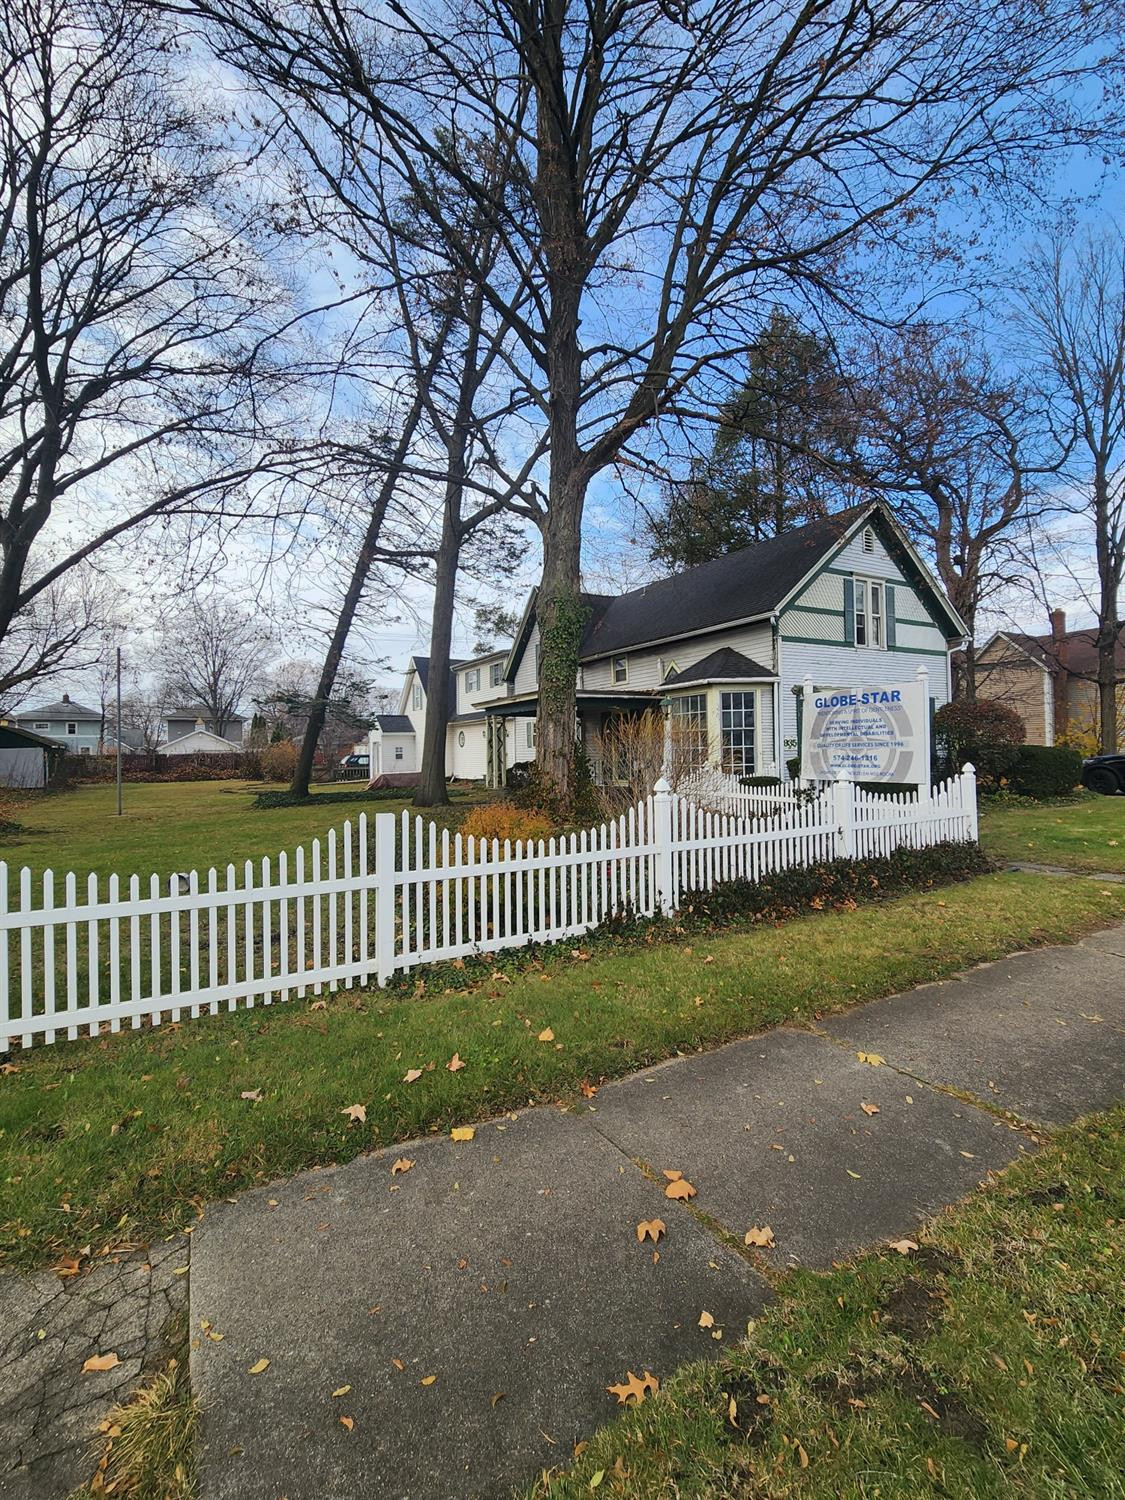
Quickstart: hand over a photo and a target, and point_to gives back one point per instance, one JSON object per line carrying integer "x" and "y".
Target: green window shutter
{"x": 889, "y": 611}
{"x": 849, "y": 611}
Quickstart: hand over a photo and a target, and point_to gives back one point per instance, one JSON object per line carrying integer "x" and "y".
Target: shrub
{"x": 979, "y": 730}
{"x": 278, "y": 761}
{"x": 504, "y": 820}
{"x": 1042, "y": 771}
{"x": 793, "y": 766}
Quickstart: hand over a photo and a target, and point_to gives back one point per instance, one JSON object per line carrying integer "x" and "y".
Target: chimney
{"x": 66, "y": 697}
{"x": 1058, "y": 624}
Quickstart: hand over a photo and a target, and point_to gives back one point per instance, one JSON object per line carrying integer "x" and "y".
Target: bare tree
{"x": 672, "y": 169}
{"x": 1074, "y": 308}
{"x": 963, "y": 449}
{"x": 134, "y": 353}
{"x": 211, "y": 656}
{"x": 61, "y": 631}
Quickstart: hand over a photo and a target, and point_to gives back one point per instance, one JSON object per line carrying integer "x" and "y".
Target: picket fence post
{"x": 843, "y": 812}
{"x": 665, "y": 882}
{"x": 385, "y": 882}
{"x": 969, "y": 800}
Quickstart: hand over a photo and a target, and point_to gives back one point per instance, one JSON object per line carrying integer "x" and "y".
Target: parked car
{"x": 356, "y": 762}
{"x": 1104, "y": 773}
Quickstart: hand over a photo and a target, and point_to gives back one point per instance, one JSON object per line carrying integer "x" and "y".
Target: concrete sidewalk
{"x": 508, "y": 1268}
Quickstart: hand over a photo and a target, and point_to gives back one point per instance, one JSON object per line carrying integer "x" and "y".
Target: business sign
{"x": 876, "y": 733}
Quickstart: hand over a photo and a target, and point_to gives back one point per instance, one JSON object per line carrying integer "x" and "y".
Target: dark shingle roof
{"x": 724, "y": 665}
{"x": 394, "y": 723}
{"x": 1076, "y": 649}
{"x": 741, "y": 585}
{"x": 61, "y": 710}
{"x": 199, "y": 711}
{"x": 422, "y": 665}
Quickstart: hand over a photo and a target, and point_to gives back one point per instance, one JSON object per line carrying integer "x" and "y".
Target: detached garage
{"x": 25, "y": 758}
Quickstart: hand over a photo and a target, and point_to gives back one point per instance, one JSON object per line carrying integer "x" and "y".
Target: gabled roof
{"x": 394, "y": 723}
{"x": 63, "y": 710}
{"x": 1074, "y": 651}
{"x": 203, "y": 734}
{"x": 17, "y": 731}
{"x": 199, "y": 711}
{"x": 422, "y": 667}
{"x": 724, "y": 665}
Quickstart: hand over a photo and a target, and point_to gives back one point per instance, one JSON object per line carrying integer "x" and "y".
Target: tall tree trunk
{"x": 1109, "y": 576}
{"x": 561, "y": 616}
{"x": 431, "y": 789}
{"x": 318, "y": 709}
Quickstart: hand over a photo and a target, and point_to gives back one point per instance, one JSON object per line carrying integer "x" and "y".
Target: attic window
{"x": 668, "y": 668}
{"x": 868, "y": 539}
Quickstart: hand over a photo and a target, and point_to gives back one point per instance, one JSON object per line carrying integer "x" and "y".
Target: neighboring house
{"x": 66, "y": 723}
{"x": 720, "y": 648}
{"x": 395, "y": 742}
{"x": 189, "y": 724}
{"x": 1050, "y": 680}
{"x": 25, "y": 758}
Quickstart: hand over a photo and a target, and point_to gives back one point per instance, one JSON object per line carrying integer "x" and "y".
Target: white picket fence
{"x": 358, "y": 908}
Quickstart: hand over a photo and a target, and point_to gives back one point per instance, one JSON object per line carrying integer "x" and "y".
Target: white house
{"x": 845, "y": 601}
{"x": 192, "y": 730}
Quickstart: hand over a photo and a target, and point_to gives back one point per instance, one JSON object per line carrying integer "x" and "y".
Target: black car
{"x": 1104, "y": 773}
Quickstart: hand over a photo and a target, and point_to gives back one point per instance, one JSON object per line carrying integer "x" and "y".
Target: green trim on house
{"x": 812, "y": 609}
{"x": 808, "y": 640}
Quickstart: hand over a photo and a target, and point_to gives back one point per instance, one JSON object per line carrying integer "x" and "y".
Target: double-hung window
{"x": 495, "y": 674}
{"x": 472, "y": 680}
{"x": 870, "y": 628}
{"x": 620, "y": 669}
{"x": 688, "y": 728}
{"x": 736, "y": 732}
{"x": 416, "y": 698}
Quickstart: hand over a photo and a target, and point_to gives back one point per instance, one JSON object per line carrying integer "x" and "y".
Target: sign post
{"x": 874, "y": 733}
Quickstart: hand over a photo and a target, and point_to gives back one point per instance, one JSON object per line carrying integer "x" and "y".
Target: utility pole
{"x": 119, "y": 731}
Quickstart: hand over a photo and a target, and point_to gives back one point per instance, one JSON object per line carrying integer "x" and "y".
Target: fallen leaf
{"x": 455, "y": 1064}
{"x": 597, "y": 1476}
{"x": 762, "y": 1237}
{"x": 70, "y": 1265}
{"x": 256, "y": 1369}
{"x": 706, "y": 1320}
{"x": 633, "y": 1389}
{"x": 732, "y": 1411}
{"x": 427, "y": 1380}
{"x": 802, "y": 1457}
{"x": 496, "y": 1398}
{"x": 412, "y": 1075}
{"x": 546, "y": 1035}
{"x": 348, "y": 1422}
{"x": 319, "y": 1005}
{"x": 651, "y": 1229}
{"x": 462, "y": 1133}
{"x": 99, "y": 1362}
{"x": 681, "y": 1188}
{"x": 341, "y": 1390}
{"x": 872, "y": 1058}
{"x": 588, "y": 1089}
{"x": 672, "y": 1175}
{"x": 903, "y": 1247}
{"x": 403, "y": 1164}
{"x": 398, "y": 1364}
{"x": 356, "y": 1112}
{"x": 254, "y": 1094}
{"x": 850, "y": 1173}
{"x": 870, "y": 1109}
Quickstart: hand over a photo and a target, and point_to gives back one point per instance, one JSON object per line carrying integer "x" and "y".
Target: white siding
{"x": 381, "y": 748}
{"x": 526, "y": 676}
{"x": 468, "y": 761}
{"x": 849, "y": 666}
{"x": 877, "y": 564}
{"x": 754, "y": 641}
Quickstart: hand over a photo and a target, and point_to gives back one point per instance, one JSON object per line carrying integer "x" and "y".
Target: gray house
{"x": 195, "y": 726}
{"x": 66, "y": 723}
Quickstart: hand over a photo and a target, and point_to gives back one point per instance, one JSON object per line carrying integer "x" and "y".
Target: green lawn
{"x": 116, "y": 1139}
{"x": 1086, "y": 834}
{"x": 170, "y": 826}
{"x": 987, "y": 1363}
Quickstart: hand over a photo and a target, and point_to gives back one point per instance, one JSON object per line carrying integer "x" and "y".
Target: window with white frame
{"x": 496, "y": 674}
{"x": 41, "y": 724}
{"x": 736, "y": 732}
{"x": 72, "y": 729}
{"x": 416, "y": 698}
{"x": 472, "y": 680}
{"x": 398, "y": 752}
{"x": 869, "y": 625}
{"x": 531, "y": 736}
{"x": 688, "y": 727}
{"x": 621, "y": 669}
{"x": 868, "y": 542}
